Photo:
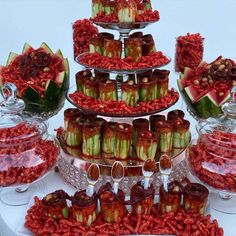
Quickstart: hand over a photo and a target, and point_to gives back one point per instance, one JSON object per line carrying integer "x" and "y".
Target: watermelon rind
{"x": 66, "y": 67}
{"x": 60, "y": 78}
{"x": 26, "y": 47}
{"x": 207, "y": 107}
{"x": 52, "y": 95}
{"x": 59, "y": 54}
{"x": 46, "y": 48}
{"x": 12, "y": 56}
{"x": 192, "y": 93}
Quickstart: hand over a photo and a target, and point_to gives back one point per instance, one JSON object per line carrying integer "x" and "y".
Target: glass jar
{"x": 212, "y": 158}
{"x": 26, "y": 151}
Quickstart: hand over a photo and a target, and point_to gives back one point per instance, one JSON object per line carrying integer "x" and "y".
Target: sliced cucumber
{"x": 46, "y": 48}
{"x": 26, "y": 48}
{"x": 12, "y": 56}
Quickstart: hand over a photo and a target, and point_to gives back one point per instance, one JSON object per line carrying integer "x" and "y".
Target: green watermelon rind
{"x": 26, "y": 47}
{"x": 12, "y": 56}
{"x": 46, "y": 48}
{"x": 204, "y": 107}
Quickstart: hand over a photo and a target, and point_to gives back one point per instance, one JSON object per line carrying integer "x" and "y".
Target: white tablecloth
{"x": 35, "y": 21}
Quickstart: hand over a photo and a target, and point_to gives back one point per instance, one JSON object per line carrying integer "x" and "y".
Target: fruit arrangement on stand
{"x": 119, "y": 165}
{"x": 25, "y": 153}
{"x": 41, "y": 77}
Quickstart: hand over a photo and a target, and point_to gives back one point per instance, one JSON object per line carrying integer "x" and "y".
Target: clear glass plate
{"x": 121, "y": 71}
{"x": 120, "y": 115}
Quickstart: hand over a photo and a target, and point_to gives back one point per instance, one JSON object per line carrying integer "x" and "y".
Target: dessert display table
{"x": 177, "y": 18}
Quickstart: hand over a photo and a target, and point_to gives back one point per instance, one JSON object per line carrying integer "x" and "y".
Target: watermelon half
{"x": 41, "y": 77}
{"x": 202, "y": 103}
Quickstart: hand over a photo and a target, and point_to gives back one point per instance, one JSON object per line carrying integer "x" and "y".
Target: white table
{"x": 50, "y": 21}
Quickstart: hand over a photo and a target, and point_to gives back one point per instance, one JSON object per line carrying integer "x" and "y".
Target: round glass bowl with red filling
{"x": 26, "y": 151}
{"x": 212, "y": 158}
{"x": 41, "y": 77}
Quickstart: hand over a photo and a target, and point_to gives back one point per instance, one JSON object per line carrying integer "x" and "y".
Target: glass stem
{"x": 123, "y": 36}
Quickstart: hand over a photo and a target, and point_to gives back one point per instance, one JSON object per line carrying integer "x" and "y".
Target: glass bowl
{"x": 41, "y": 77}
{"x": 27, "y": 152}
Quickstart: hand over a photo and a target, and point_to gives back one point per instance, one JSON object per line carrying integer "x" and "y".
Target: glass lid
{"x": 15, "y": 127}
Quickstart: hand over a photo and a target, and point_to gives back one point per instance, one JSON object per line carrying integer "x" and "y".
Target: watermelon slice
{"x": 204, "y": 92}
{"x": 33, "y": 72}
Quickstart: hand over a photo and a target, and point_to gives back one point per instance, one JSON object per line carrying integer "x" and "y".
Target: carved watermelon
{"x": 208, "y": 87}
{"x": 41, "y": 77}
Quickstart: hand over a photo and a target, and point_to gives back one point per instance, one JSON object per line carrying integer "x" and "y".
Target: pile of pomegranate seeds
{"x": 96, "y": 60}
{"x": 120, "y": 107}
{"x": 83, "y": 31}
{"x": 180, "y": 224}
{"x": 189, "y": 51}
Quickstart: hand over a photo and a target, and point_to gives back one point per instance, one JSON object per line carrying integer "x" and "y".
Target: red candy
{"x": 83, "y": 31}
{"x": 26, "y": 161}
{"x": 213, "y": 159}
{"x": 147, "y": 16}
{"x": 180, "y": 224}
{"x": 152, "y": 60}
{"x": 189, "y": 51}
{"x": 120, "y": 107}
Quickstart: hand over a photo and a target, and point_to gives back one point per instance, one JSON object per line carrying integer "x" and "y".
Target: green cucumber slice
{"x": 12, "y": 56}
{"x": 65, "y": 212}
{"x": 46, "y": 48}
{"x": 26, "y": 48}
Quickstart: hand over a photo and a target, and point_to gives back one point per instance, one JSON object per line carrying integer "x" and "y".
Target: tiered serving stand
{"x": 73, "y": 166}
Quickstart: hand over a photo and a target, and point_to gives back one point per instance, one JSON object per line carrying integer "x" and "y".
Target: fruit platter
{"x": 41, "y": 78}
